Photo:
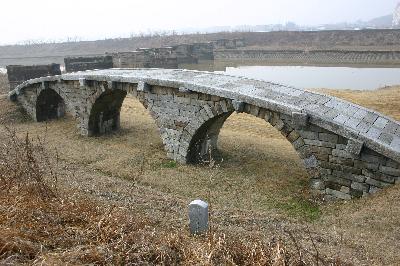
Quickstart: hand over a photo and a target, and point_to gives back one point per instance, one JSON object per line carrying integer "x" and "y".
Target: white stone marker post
{"x": 198, "y": 217}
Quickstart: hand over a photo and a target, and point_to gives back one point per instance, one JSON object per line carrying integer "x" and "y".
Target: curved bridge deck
{"x": 348, "y": 150}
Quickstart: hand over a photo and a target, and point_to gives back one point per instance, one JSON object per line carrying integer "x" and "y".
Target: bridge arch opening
{"x": 204, "y": 143}
{"x": 105, "y": 113}
{"x": 245, "y": 145}
{"x": 49, "y": 105}
{"x": 261, "y": 138}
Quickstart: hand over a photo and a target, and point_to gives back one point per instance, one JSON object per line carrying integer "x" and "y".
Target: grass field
{"x": 258, "y": 194}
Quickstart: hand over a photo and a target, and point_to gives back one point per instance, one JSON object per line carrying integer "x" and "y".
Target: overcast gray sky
{"x": 93, "y": 19}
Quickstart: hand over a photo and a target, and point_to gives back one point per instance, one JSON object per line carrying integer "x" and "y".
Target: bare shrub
{"x": 25, "y": 166}
{"x": 3, "y": 83}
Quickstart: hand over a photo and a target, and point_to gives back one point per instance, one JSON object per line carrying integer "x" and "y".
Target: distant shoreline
{"x": 355, "y": 40}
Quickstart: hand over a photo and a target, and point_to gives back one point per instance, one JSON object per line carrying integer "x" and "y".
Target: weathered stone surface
{"x": 190, "y": 107}
{"x": 338, "y": 194}
{"x": 390, "y": 170}
{"x": 300, "y": 119}
{"x": 73, "y": 64}
{"x": 143, "y": 87}
{"x": 360, "y": 186}
{"x": 354, "y": 146}
{"x": 310, "y": 57}
{"x": 332, "y": 138}
{"x": 164, "y": 57}
{"x": 311, "y": 162}
{"x": 376, "y": 183}
{"x": 317, "y": 184}
{"x": 17, "y": 74}
{"x": 198, "y": 217}
{"x": 238, "y": 105}
{"x": 319, "y": 143}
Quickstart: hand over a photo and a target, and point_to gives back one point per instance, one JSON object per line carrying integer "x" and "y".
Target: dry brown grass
{"x": 40, "y": 226}
{"x": 258, "y": 193}
{"x": 385, "y": 100}
{"x": 3, "y": 84}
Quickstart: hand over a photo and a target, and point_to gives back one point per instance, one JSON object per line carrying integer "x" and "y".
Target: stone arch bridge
{"x": 348, "y": 151}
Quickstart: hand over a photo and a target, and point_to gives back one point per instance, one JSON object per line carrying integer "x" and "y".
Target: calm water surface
{"x": 321, "y": 77}
{"x": 310, "y": 76}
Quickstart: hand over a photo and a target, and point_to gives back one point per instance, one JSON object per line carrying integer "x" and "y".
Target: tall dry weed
{"x": 3, "y": 83}
{"x": 26, "y": 167}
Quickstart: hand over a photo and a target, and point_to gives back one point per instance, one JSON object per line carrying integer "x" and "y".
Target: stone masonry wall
{"x": 73, "y": 64}
{"x": 170, "y": 57}
{"x": 17, "y": 74}
{"x": 312, "y": 57}
{"x": 184, "y": 54}
{"x": 203, "y": 51}
{"x": 228, "y": 43}
{"x": 146, "y": 58}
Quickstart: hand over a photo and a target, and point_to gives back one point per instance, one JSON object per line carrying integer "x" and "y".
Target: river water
{"x": 322, "y": 77}
{"x": 310, "y": 77}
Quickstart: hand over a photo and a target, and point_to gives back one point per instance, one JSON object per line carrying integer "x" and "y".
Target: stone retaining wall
{"x": 17, "y": 74}
{"x": 203, "y": 51}
{"x": 146, "y": 58}
{"x": 184, "y": 54}
{"x": 228, "y": 43}
{"x": 312, "y": 57}
{"x": 73, "y": 64}
{"x": 163, "y": 57}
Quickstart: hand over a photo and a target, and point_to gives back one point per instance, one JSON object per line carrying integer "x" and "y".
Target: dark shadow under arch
{"x": 105, "y": 113}
{"x": 204, "y": 142}
{"x": 49, "y": 105}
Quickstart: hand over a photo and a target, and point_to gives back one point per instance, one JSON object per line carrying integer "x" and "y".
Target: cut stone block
{"x": 310, "y": 162}
{"x": 300, "y": 119}
{"x": 184, "y": 90}
{"x": 317, "y": 184}
{"x": 198, "y": 217}
{"x": 82, "y": 82}
{"x": 143, "y": 86}
{"x": 354, "y": 146}
{"x": 238, "y": 105}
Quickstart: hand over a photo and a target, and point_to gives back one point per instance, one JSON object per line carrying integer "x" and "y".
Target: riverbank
{"x": 310, "y": 57}
{"x": 362, "y": 40}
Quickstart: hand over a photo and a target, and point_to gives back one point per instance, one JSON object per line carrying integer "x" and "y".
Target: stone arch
{"x": 104, "y": 114}
{"x": 49, "y": 105}
{"x": 205, "y": 140}
{"x": 202, "y": 142}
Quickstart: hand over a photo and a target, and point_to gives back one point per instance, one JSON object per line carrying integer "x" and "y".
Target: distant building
{"x": 396, "y": 17}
